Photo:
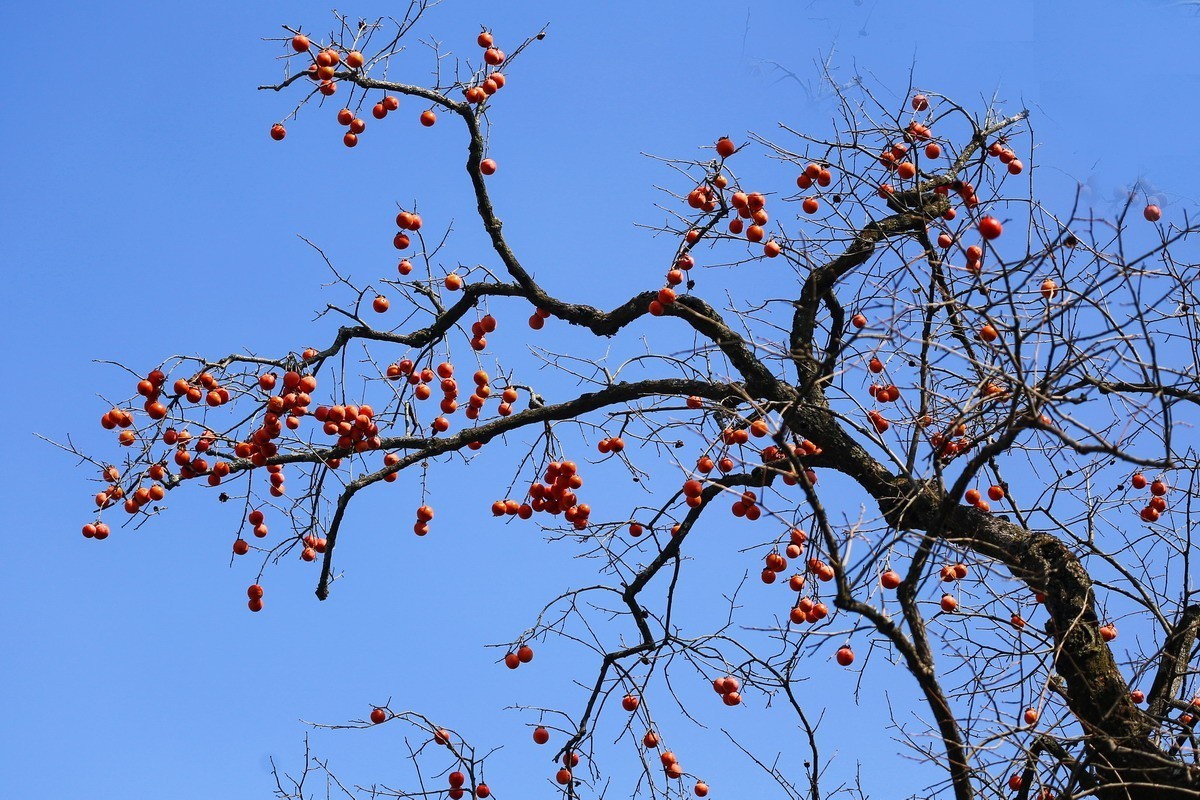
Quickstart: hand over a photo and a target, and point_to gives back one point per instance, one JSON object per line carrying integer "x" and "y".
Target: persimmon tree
{"x": 954, "y": 435}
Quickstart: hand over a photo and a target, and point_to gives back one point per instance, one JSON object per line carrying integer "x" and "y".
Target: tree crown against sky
{"x": 1031, "y": 356}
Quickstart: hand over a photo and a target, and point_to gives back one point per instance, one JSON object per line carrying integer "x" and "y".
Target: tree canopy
{"x": 874, "y": 407}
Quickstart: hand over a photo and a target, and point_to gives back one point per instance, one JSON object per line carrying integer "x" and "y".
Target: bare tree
{"x": 1005, "y": 388}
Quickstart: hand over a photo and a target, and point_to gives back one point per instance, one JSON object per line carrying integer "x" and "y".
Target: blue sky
{"x": 147, "y": 214}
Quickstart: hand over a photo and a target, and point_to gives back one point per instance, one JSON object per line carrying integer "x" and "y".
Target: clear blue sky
{"x": 146, "y": 213}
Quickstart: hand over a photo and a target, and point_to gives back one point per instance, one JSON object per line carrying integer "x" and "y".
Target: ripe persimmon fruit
{"x": 990, "y": 228}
